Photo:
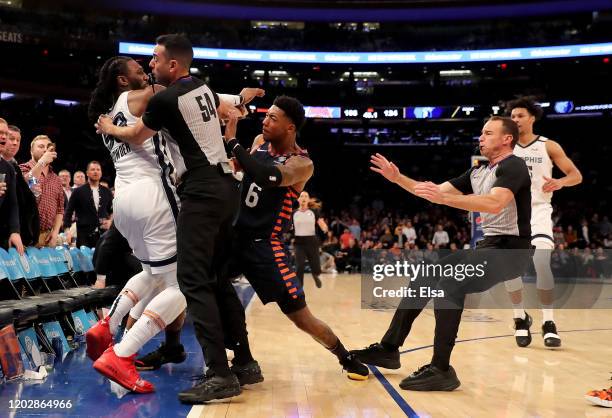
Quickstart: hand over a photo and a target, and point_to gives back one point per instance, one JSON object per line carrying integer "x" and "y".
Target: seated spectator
{"x": 330, "y": 245}
{"x": 440, "y": 238}
{"x": 409, "y": 232}
{"x": 355, "y": 229}
{"x": 558, "y": 235}
{"x": 345, "y": 239}
{"x": 399, "y": 236}
{"x": 353, "y": 257}
{"x": 387, "y": 238}
{"x": 328, "y": 263}
{"x": 571, "y": 236}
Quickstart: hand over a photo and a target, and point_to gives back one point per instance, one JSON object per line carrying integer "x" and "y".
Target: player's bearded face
{"x": 137, "y": 79}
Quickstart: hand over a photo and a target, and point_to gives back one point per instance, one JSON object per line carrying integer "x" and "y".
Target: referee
{"x": 307, "y": 243}
{"x": 501, "y": 193}
{"x": 189, "y": 110}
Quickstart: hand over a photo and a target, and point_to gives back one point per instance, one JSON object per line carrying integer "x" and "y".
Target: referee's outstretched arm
{"x": 445, "y": 193}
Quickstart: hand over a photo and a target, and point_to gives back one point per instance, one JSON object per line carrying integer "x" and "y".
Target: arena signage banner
{"x": 564, "y": 51}
{"x": 11, "y": 37}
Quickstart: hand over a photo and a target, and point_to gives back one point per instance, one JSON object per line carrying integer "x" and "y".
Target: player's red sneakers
{"x": 122, "y": 370}
{"x": 600, "y": 397}
{"x": 98, "y": 338}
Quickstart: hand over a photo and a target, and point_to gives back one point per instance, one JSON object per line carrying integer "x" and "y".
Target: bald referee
{"x": 501, "y": 193}
{"x": 190, "y": 112}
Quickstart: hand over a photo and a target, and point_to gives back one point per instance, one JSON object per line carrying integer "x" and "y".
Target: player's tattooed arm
{"x": 297, "y": 169}
{"x": 259, "y": 139}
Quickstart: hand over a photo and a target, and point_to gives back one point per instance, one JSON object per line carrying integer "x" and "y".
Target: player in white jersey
{"x": 540, "y": 154}
{"x": 145, "y": 208}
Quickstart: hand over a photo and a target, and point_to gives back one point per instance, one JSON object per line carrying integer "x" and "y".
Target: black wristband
{"x": 232, "y": 143}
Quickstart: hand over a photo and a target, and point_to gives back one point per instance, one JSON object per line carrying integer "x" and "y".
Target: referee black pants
{"x": 500, "y": 266}
{"x": 113, "y": 258}
{"x": 307, "y": 248}
{"x": 209, "y": 203}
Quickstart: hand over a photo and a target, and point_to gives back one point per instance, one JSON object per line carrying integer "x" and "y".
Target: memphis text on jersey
{"x": 110, "y": 141}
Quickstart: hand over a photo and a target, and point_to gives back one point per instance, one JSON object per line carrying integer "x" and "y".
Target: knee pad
{"x": 514, "y": 284}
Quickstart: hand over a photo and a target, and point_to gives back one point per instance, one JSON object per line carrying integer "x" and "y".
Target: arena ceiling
{"x": 343, "y": 10}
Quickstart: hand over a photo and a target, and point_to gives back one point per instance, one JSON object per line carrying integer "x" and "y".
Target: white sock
{"x": 518, "y": 310}
{"x": 143, "y": 330}
{"x": 547, "y": 312}
{"x": 121, "y": 306}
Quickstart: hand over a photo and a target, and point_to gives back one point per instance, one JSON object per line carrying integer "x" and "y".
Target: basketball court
{"x": 302, "y": 379}
{"x": 497, "y": 377}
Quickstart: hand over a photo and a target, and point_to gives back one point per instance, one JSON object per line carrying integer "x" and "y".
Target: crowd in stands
{"x": 40, "y": 207}
{"x": 374, "y": 227}
{"x": 310, "y": 36}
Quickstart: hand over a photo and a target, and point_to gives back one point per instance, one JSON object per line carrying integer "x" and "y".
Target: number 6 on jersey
{"x": 252, "y": 197}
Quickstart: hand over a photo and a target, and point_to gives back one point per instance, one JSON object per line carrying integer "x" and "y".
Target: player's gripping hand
{"x": 104, "y": 125}
{"x": 231, "y": 125}
{"x": 249, "y": 93}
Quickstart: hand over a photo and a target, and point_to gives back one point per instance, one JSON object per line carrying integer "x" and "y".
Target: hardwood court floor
{"x": 498, "y": 378}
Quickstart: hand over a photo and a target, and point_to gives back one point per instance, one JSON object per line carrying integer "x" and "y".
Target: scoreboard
{"x": 444, "y": 113}
{"x": 373, "y": 113}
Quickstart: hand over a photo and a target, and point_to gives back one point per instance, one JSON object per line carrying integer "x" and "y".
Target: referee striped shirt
{"x": 510, "y": 173}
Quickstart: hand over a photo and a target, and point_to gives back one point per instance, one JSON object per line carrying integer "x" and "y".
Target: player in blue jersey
{"x": 275, "y": 172}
